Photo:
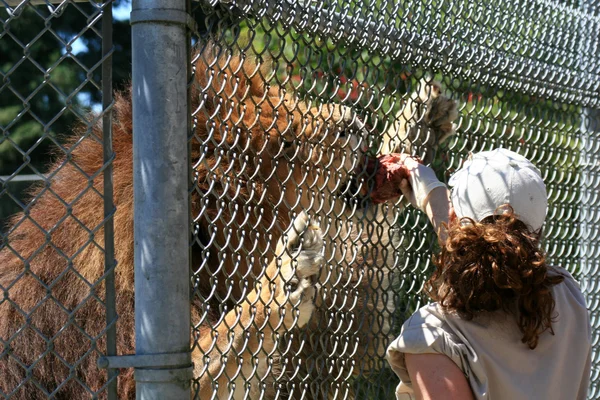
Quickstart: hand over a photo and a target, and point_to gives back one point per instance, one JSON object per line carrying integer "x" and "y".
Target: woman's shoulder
{"x": 554, "y": 270}
{"x": 569, "y": 287}
{"x": 428, "y": 315}
{"x": 429, "y": 330}
{"x": 423, "y": 332}
{"x": 425, "y": 326}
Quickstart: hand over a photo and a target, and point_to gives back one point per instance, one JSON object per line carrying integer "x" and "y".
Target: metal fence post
{"x": 588, "y": 211}
{"x": 109, "y": 207}
{"x": 588, "y": 226}
{"x": 160, "y": 127}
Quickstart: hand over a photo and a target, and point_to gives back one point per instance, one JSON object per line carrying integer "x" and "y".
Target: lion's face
{"x": 317, "y": 156}
{"x": 282, "y": 153}
{"x": 261, "y": 155}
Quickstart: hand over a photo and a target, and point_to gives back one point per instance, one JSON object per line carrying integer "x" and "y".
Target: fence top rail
{"x": 15, "y": 3}
{"x": 21, "y": 178}
{"x": 516, "y": 71}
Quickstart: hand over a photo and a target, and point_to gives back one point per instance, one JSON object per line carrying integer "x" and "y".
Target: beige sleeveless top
{"x": 489, "y": 351}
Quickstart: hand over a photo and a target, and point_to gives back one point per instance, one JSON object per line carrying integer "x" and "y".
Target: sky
{"x": 120, "y": 13}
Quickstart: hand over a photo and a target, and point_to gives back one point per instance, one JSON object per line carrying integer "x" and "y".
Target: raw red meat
{"x": 387, "y": 172}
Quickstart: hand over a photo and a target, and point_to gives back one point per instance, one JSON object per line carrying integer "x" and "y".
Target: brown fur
{"x": 279, "y": 156}
{"x": 38, "y": 247}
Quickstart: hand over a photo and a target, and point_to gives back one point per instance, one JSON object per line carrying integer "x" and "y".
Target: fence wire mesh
{"x": 289, "y": 99}
{"x": 299, "y": 280}
{"x": 56, "y": 254}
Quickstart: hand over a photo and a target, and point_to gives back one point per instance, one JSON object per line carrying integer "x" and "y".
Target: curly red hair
{"x": 495, "y": 264}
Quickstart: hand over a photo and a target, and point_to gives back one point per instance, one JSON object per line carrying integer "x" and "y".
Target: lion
{"x": 287, "y": 289}
{"x": 426, "y": 104}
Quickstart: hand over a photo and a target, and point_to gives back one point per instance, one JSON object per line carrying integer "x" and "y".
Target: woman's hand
{"x": 422, "y": 182}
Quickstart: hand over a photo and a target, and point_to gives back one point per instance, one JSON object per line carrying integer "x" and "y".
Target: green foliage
{"x": 12, "y": 195}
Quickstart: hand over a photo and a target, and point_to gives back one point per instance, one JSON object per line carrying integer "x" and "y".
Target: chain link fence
{"x": 57, "y": 255}
{"x": 300, "y": 277}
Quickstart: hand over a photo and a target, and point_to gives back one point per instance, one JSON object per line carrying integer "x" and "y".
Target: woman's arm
{"x": 439, "y": 210}
{"x": 428, "y": 194}
{"x": 436, "y": 377}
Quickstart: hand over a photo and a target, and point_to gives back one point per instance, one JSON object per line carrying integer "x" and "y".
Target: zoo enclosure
{"x": 525, "y": 77}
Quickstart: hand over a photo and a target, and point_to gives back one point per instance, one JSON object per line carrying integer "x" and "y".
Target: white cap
{"x": 491, "y": 179}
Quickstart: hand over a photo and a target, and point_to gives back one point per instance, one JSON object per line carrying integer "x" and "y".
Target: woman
{"x": 504, "y": 324}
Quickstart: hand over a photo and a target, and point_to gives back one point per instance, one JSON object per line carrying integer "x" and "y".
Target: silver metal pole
{"x": 589, "y": 169}
{"x": 588, "y": 226}
{"x": 161, "y": 215}
{"x": 109, "y": 207}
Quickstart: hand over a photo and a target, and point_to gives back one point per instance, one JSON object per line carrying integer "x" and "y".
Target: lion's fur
{"x": 274, "y": 187}
{"x": 57, "y": 243}
{"x": 49, "y": 268}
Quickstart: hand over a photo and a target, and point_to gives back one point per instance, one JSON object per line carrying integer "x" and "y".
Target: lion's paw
{"x": 302, "y": 254}
{"x": 441, "y": 114}
{"x": 441, "y": 110}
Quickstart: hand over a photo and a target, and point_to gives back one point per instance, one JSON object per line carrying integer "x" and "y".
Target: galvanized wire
{"x": 525, "y": 76}
{"x": 46, "y": 338}
{"x": 109, "y": 207}
{"x": 288, "y": 101}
